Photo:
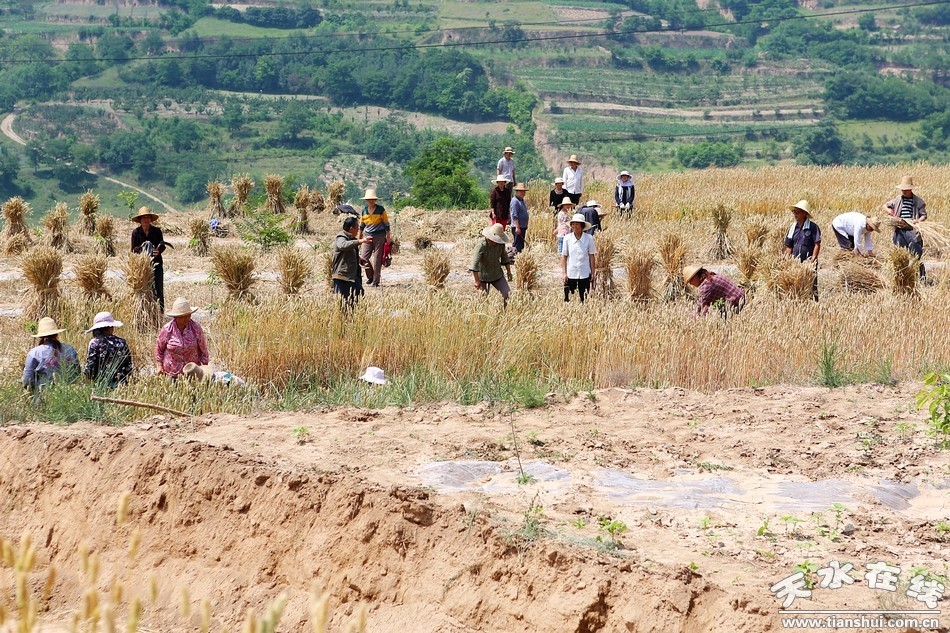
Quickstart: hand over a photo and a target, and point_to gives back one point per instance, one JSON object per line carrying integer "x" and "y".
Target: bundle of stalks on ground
{"x": 140, "y": 277}
{"x": 15, "y": 236}
{"x": 853, "y": 276}
{"x": 42, "y": 267}
{"x": 748, "y": 259}
{"x": 91, "y": 276}
{"x": 422, "y": 242}
{"x": 105, "y": 235}
{"x": 293, "y": 270}
{"x": 301, "y": 224}
{"x": 842, "y": 257}
{"x": 436, "y": 268}
{"x": 275, "y": 197}
{"x": 673, "y": 258}
{"x": 335, "y": 192}
{"x": 56, "y": 223}
{"x": 215, "y": 207}
{"x": 88, "y": 207}
{"x": 604, "y": 284}
{"x": 639, "y": 265}
{"x": 792, "y": 279}
{"x": 242, "y": 185}
{"x": 528, "y": 269}
{"x": 317, "y": 203}
{"x": 756, "y": 231}
{"x": 199, "y": 236}
{"x": 722, "y": 247}
{"x": 900, "y": 271}
{"x": 234, "y": 266}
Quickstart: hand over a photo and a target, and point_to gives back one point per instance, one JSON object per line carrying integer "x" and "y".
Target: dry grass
{"x": 91, "y": 276}
{"x": 722, "y": 247}
{"x": 199, "y": 236}
{"x": 326, "y": 268}
{"x": 422, "y": 242}
{"x": 604, "y": 285}
{"x": 56, "y": 223}
{"x": 88, "y": 207}
{"x": 639, "y": 264}
{"x": 900, "y": 272}
{"x": 317, "y": 203}
{"x": 294, "y": 268}
{"x": 15, "y": 237}
{"x": 242, "y": 186}
{"x": 141, "y": 303}
{"x": 335, "y": 191}
{"x": 436, "y": 267}
{"x": 792, "y": 279}
{"x": 673, "y": 257}
{"x": 528, "y": 264}
{"x": 856, "y": 277}
{"x": 105, "y": 235}
{"x": 274, "y": 183}
{"x": 302, "y": 205}
{"x": 42, "y": 267}
{"x": 756, "y": 230}
{"x": 747, "y": 260}
{"x": 215, "y": 208}
{"x": 234, "y": 266}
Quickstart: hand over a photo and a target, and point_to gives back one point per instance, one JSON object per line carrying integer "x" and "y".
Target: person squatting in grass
{"x": 180, "y": 341}
{"x": 713, "y": 287}
{"x": 500, "y": 202}
{"x": 346, "y": 274}
{"x": 148, "y": 238}
{"x": 374, "y": 223}
{"x": 490, "y": 256}
{"x": 563, "y": 221}
{"x": 853, "y": 231}
{"x": 578, "y": 259}
{"x": 519, "y": 217}
{"x": 803, "y": 240}
{"x": 51, "y": 359}
{"x": 108, "y": 359}
{"x": 912, "y": 209}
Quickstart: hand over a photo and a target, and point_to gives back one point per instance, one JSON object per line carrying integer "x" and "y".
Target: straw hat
{"x": 142, "y": 212}
{"x": 521, "y": 187}
{"x": 375, "y": 375}
{"x": 573, "y": 159}
{"x": 509, "y": 150}
{"x": 558, "y": 181}
{"x": 500, "y": 179}
{"x": 689, "y": 272}
{"x": 624, "y": 173}
{"x": 579, "y": 217}
{"x": 201, "y": 372}
{"x": 874, "y": 223}
{"x": 102, "y": 320}
{"x": 801, "y": 205}
{"x": 596, "y": 205}
{"x": 566, "y": 201}
{"x": 47, "y": 327}
{"x": 370, "y": 195}
{"x": 496, "y": 233}
{"x": 907, "y": 184}
{"x": 181, "y": 307}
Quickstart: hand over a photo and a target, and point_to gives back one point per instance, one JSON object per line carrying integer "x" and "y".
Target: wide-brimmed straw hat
{"x": 579, "y": 217}
{"x": 509, "y": 150}
{"x": 558, "y": 181}
{"x": 102, "y": 320}
{"x": 573, "y": 159}
{"x": 370, "y": 195}
{"x": 624, "y": 173}
{"x": 874, "y": 223}
{"x": 194, "y": 370}
{"x": 690, "y": 271}
{"x": 496, "y": 233}
{"x": 521, "y": 187}
{"x": 566, "y": 201}
{"x": 47, "y": 327}
{"x": 181, "y": 307}
{"x": 907, "y": 183}
{"x": 375, "y": 375}
{"x": 500, "y": 179}
{"x": 596, "y": 205}
{"x": 142, "y": 212}
{"x": 801, "y": 205}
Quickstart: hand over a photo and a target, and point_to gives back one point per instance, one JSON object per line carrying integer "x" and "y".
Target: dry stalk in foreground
{"x": 673, "y": 258}
{"x": 639, "y": 265}
{"x": 242, "y": 185}
{"x": 215, "y": 207}
{"x": 900, "y": 271}
{"x": 15, "y": 236}
{"x": 275, "y": 197}
{"x": 293, "y": 270}
{"x": 317, "y": 203}
{"x": 436, "y": 267}
{"x": 301, "y": 224}
{"x": 747, "y": 260}
{"x": 855, "y": 277}
{"x": 756, "y": 231}
{"x": 199, "y": 234}
{"x": 42, "y": 267}
{"x": 604, "y": 285}
{"x": 56, "y": 223}
{"x": 335, "y": 192}
{"x": 91, "y": 276}
{"x": 528, "y": 269}
{"x": 105, "y": 235}
{"x": 88, "y": 207}
{"x": 140, "y": 278}
{"x": 234, "y": 266}
{"x": 792, "y": 279}
{"x": 722, "y": 247}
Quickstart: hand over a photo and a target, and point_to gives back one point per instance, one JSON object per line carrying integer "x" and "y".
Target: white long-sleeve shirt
{"x": 854, "y": 224}
{"x": 574, "y": 179}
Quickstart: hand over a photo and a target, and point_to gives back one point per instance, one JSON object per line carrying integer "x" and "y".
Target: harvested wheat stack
{"x": 842, "y": 257}
{"x": 422, "y": 242}
{"x": 335, "y": 192}
{"x": 234, "y": 266}
{"x": 395, "y": 244}
{"x": 326, "y": 268}
{"x": 56, "y": 223}
{"x": 301, "y": 224}
{"x": 199, "y": 236}
{"x": 673, "y": 257}
{"x": 934, "y": 234}
{"x": 88, "y": 207}
{"x": 436, "y": 268}
{"x": 528, "y": 269}
{"x": 15, "y": 211}
{"x": 792, "y": 279}
{"x": 242, "y": 185}
{"x": 275, "y": 197}
{"x": 604, "y": 275}
{"x": 91, "y": 276}
{"x": 639, "y": 265}
{"x": 756, "y": 231}
{"x": 140, "y": 278}
{"x": 747, "y": 261}
{"x": 900, "y": 272}
{"x": 42, "y": 267}
{"x": 317, "y": 203}
{"x": 856, "y": 277}
{"x": 722, "y": 247}
{"x": 105, "y": 235}
{"x": 215, "y": 207}
{"x": 293, "y": 270}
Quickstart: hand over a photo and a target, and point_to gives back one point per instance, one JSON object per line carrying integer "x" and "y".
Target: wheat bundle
{"x": 140, "y": 278}
{"x": 199, "y": 236}
{"x": 302, "y": 205}
{"x": 91, "y": 276}
{"x": 639, "y": 265}
{"x": 317, "y": 203}
{"x": 15, "y": 236}
{"x": 436, "y": 267}
{"x": 293, "y": 270}
{"x": 422, "y": 242}
{"x": 747, "y": 260}
{"x": 42, "y": 267}
{"x": 335, "y": 192}
{"x": 842, "y": 257}
{"x": 235, "y": 267}
{"x": 528, "y": 269}
{"x": 934, "y": 234}
{"x": 722, "y": 247}
{"x": 275, "y": 197}
{"x": 105, "y": 235}
{"x": 215, "y": 207}
{"x": 326, "y": 268}
{"x": 853, "y": 276}
{"x": 242, "y": 185}
{"x": 792, "y": 279}
{"x": 395, "y": 244}
{"x": 900, "y": 271}
{"x": 603, "y": 274}
{"x": 56, "y": 223}
{"x": 756, "y": 231}
{"x": 88, "y": 207}
{"x": 672, "y": 257}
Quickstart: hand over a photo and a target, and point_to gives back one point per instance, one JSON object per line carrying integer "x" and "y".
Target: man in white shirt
{"x": 506, "y": 167}
{"x": 574, "y": 179}
{"x": 578, "y": 259}
{"x": 853, "y": 231}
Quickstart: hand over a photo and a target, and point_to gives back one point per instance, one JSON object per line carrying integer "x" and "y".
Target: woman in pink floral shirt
{"x": 180, "y": 341}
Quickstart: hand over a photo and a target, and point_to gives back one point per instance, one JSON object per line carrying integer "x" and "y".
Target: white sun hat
{"x": 375, "y": 375}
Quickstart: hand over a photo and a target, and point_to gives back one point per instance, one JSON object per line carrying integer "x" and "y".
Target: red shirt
{"x": 716, "y": 287}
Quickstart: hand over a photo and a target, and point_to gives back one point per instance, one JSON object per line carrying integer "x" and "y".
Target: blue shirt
{"x": 519, "y": 212}
{"x": 44, "y": 361}
{"x": 802, "y": 239}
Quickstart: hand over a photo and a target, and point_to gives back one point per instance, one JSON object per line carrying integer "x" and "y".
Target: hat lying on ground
{"x": 47, "y": 327}
{"x": 201, "y": 372}
{"x": 496, "y": 233}
{"x": 103, "y": 320}
{"x": 579, "y": 217}
{"x": 375, "y": 375}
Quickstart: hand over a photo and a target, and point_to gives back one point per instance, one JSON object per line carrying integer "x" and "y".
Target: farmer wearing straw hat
{"x": 853, "y": 232}
{"x": 519, "y": 216}
{"x": 500, "y": 201}
{"x": 374, "y": 223}
{"x": 574, "y": 178}
{"x": 912, "y": 209}
{"x": 578, "y": 259}
{"x": 148, "y": 238}
{"x": 506, "y": 167}
{"x": 50, "y": 359}
{"x": 803, "y": 240}
{"x": 489, "y": 258}
{"x": 345, "y": 270}
{"x": 108, "y": 359}
{"x": 713, "y": 287}
{"x": 624, "y": 193}
{"x": 180, "y": 341}
{"x": 563, "y": 221}
{"x": 556, "y": 197}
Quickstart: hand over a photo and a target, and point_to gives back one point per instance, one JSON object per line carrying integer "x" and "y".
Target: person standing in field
{"x": 519, "y": 216}
{"x": 803, "y": 240}
{"x": 574, "y": 179}
{"x": 912, "y": 209}
{"x": 500, "y": 201}
{"x": 50, "y": 360}
{"x": 563, "y": 221}
{"x": 556, "y": 197}
{"x": 490, "y": 256}
{"x": 624, "y": 193}
{"x": 148, "y": 238}
{"x": 346, "y": 274}
{"x": 712, "y": 288}
{"x": 853, "y": 232}
{"x": 578, "y": 259}
{"x": 374, "y": 224}
{"x": 506, "y": 167}
{"x": 108, "y": 359}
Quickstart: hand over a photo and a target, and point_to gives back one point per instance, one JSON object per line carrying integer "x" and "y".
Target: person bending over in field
{"x": 853, "y": 231}
{"x": 714, "y": 287}
{"x": 803, "y": 240}
{"x": 911, "y": 209}
{"x": 489, "y": 258}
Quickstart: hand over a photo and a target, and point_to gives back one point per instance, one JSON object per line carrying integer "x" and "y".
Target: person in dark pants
{"x": 374, "y": 223}
{"x": 578, "y": 259}
{"x": 488, "y": 261}
{"x": 346, "y": 274}
{"x": 500, "y": 202}
{"x": 148, "y": 238}
{"x": 519, "y": 216}
{"x": 911, "y": 209}
{"x": 803, "y": 240}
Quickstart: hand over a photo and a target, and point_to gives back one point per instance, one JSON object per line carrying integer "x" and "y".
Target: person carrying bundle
{"x": 148, "y": 238}
{"x": 912, "y": 209}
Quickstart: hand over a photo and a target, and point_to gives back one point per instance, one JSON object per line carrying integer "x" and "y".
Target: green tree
{"x": 9, "y": 165}
{"x": 822, "y": 144}
{"x": 293, "y": 120}
{"x": 441, "y": 176}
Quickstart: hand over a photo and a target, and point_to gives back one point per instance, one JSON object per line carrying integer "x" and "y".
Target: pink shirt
{"x": 176, "y": 348}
